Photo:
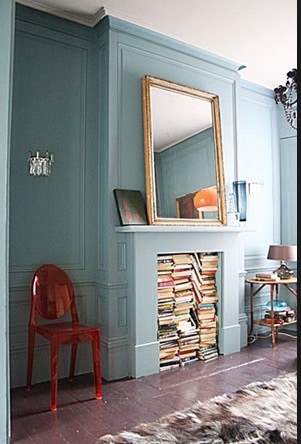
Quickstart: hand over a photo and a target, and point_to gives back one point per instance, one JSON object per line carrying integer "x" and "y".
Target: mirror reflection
{"x": 183, "y": 154}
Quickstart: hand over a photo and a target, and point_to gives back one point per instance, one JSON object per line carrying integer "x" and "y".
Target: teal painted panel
{"x": 49, "y": 100}
{"x": 288, "y": 156}
{"x": 288, "y": 179}
{"x": 29, "y": 18}
{"x": 257, "y": 163}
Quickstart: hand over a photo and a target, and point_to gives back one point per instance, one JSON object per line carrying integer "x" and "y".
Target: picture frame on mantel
{"x": 131, "y": 207}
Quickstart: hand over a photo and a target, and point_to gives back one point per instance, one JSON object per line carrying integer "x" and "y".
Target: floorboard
{"x": 81, "y": 418}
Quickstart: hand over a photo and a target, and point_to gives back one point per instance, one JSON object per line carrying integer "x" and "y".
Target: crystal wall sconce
{"x": 40, "y": 165}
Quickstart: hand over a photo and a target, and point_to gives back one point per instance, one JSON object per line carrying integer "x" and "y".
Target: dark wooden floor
{"x": 82, "y": 419}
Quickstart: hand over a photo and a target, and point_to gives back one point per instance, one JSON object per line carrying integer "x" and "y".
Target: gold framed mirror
{"x": 183, "y": 155}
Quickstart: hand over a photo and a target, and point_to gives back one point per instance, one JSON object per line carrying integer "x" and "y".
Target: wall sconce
{"x": 283, "y": 253}
{"x": 40, "y": 165}
{"x": 287, "y": 96}
{"x": 205, "y": 200}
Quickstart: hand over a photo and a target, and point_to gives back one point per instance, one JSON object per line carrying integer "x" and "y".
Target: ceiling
{"x": 259, "y": 34}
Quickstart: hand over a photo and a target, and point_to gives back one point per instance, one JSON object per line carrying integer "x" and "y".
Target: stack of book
{"x": 188, "y": 346}
{"x": 165, "y": 262}
{"x": 184, "y": 302}
{"x": 209, "y": 290}
{"x": 208, "y": 335}
{"x": 167, "y": 328}
{"x": 203, "y": 277}
{"x": 187, "y": 317}
{"x": 209, "y": 263}
{"x": 206, "y": 312}
{"x": 182, "y": 259}
{"x": 169, "y": 349}
{"x": 196, "y": 279}
{"x": 182, "y": 315}
{"x": 208, "y": 353}
{"x": 181, "y": 271}
{"x": 165, "y": 279}
{"x": 207, "y": 319}
{"x": 280, "y": 316}
{"x": 166, "y": 315}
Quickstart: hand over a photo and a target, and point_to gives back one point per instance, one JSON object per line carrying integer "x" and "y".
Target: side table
{"x": 274, "y": 286}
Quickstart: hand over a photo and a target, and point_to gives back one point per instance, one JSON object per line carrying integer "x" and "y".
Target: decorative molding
{"x": 121, "y": 255}
{"x": 77, "y": 17}
{"x": 73, "y": 258}
{"x": 181, "y": 229}
{"x": 122, "y": 311}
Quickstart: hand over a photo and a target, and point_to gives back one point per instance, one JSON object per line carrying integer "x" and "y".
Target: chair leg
{"x": 97, "y": 365}
{"x": 31, "y": 344}
{"x": 72, "y": 361}
{"x": 54, "y": 374}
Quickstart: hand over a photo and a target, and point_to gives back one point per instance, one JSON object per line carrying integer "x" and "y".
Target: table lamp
{"x": 205, "y": 200}
{"x": 283, "y": 253}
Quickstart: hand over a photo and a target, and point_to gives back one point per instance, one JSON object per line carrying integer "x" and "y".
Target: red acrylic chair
{"x": 52, "y": 296}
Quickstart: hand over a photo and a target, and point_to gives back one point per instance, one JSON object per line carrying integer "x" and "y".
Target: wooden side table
{"x": 274, "y": 286}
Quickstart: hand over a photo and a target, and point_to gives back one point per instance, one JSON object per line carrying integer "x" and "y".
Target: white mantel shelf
{"x": 181, "y": 229}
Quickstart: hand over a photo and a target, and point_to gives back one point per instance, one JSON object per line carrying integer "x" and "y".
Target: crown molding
{"x": 77, "y": 17}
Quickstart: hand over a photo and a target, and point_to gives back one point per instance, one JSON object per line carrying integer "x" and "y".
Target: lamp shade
{"x": 282, "y": 252}
{"x": 206, "y": 199}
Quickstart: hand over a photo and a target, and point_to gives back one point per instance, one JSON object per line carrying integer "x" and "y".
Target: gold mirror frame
{"x": 219, "y": 216}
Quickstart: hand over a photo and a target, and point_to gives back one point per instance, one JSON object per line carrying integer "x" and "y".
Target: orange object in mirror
{"x": 206, "y": 199}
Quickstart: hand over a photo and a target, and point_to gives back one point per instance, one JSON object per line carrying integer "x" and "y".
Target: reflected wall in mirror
{"x": 183, "y": 155}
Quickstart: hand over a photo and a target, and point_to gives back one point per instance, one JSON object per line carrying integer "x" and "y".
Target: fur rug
{"x": 260, "y": 413}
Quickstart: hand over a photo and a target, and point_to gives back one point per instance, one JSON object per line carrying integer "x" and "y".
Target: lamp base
{"x": 283, "y": 272}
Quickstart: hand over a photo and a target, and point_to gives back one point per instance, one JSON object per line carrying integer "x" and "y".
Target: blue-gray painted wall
{"x": 77, "y": 93}
{"x": 70, "y": 217}
{"x": 6, "y": 54}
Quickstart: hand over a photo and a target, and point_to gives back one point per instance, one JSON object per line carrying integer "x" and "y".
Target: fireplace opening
{"x": 188, "y": 308}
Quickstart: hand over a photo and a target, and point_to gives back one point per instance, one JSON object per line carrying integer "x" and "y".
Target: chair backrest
{"x": 52, "y": 294}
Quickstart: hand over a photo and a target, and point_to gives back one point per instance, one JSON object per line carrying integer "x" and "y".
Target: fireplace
{"x": 140, "y": 246}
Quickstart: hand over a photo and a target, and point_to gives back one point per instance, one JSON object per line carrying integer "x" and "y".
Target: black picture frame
{"x": 131, "y": 207}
